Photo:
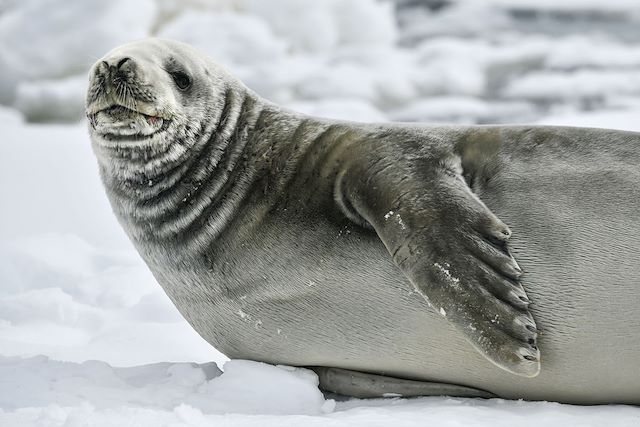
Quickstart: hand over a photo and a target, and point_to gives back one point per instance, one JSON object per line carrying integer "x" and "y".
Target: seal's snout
{"x": 117, "y": 68}
{"x": 122, "y": 101}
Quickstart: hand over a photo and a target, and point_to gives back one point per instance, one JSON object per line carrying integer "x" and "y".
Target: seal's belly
{"x": 321, "y": 300}
{"x": 347, "y": 305}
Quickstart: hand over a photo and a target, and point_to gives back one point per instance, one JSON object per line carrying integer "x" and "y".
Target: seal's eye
{"x": 182, "y": 80}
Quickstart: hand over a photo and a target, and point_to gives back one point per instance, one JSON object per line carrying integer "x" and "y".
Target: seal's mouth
{"x": 120, "y": 123}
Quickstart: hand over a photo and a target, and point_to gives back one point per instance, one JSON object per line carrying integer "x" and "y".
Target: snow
{"x": 568, "y": 5}
{"x": 87, "y": 337}
{"x": 271, "y": 389}
{"x": 40, "y": 38}
{"x": 52, "y": 100}
{"x": 627, "y": 120}
{"x": 73, "y": 288}
{"x": 323, "y": 25}
{"x": 233, "y": 43}
{"x": 468, "y": 62}
{"x": 353, "y": 108}
{"x": 9, "y": 115}
{"x": 42, "y": 392}
{"x": 461, "y": 109}
{"x": 574, "y": 85}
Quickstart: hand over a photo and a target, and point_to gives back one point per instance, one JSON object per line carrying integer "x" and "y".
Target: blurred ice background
{"x": 73, "y": 289}
{"x": 475, "y": 61}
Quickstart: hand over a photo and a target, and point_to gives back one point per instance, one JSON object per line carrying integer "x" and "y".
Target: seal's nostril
{"x": 122, "y": 62}
{"x": 106, "y": 64}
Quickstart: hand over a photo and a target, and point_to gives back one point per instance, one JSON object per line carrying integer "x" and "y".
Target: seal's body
{"x": 377, "y": 248}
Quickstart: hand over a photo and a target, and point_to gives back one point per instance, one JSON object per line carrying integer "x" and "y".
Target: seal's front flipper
{"x": 364, "y": 385}
{"x": 450, "y": 246}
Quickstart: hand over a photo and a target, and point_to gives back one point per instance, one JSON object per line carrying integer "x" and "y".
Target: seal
{"x": 376, "y": 253}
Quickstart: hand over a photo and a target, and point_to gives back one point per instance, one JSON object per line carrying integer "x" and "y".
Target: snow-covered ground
{"x": 42, "y": 392}
{"x": 86, "y": 335}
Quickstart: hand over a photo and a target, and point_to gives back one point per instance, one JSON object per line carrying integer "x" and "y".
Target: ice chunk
{"x": 59, "y": 100}
{"x": 229, "y": 37}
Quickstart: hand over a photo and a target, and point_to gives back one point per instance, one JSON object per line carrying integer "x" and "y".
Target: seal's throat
{"x": 191, "y": 191}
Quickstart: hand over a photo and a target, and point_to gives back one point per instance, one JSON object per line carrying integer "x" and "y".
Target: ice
{"x": 577, "y": 51}
{"x": 365, "y": 23}
{"x": 622, "y": 119}
{"x": 229, "y": 37}
{"x": 65, "y": 298}
{"x": 52, "y": 39}
{"x": 60, "y": 100}
{"x": 246, "y": 387}
{"x": 73, "y": 287}
{"x": 573, "y": 86}
{"x": 344, "y": 57}
{"x": 257, "y": 388}
{"x": 59, "y": 191}
{"x": 9, "y": 115}
{"x": 42, "y": 392}
{"x": 326, "y": 24}
{"x": 568, "y": 5}
{"x": 460, "y": 109}
{"x": 348, "y": 81}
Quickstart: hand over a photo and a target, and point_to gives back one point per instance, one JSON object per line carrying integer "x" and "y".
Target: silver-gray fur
{"x": 375, "y": 248}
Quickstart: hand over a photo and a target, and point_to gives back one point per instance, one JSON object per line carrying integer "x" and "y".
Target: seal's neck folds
{"x": 190, "y": 191}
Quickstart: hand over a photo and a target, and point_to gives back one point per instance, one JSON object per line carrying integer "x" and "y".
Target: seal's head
{"x": 168, "y": 126}
{"x": 151, "y": 99}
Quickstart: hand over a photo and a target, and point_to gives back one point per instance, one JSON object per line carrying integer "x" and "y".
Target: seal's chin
{"x": 119, "y": 123}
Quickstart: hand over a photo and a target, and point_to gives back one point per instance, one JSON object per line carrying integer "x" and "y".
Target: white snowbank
{"x": 228, "y": 37}
{"x": 349, "y": 56}
{"x": 567, "y": 5}
{"x": 574, "y": 85}
{"x": 460, "y": 109}
{"x": 246, "y": 387}
{"x": 323, "y": 25}
{"x": 59, "y": 188}
{"x": 626, "y": 120}
{"x": 42, "y": 392}
{"x": 9, "y": 115}
{"x": 352, "y": 109}
{"x": 59, "y": 100}
{"x": 578, "y": 51}
{"x": 258, "y": 388}
{"x": 73, "y": 287}
{"x": 65, "y": 298}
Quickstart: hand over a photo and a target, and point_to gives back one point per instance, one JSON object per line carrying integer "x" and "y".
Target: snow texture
{"x": 87, "y": 337}
{"x": 42, "y": 392}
